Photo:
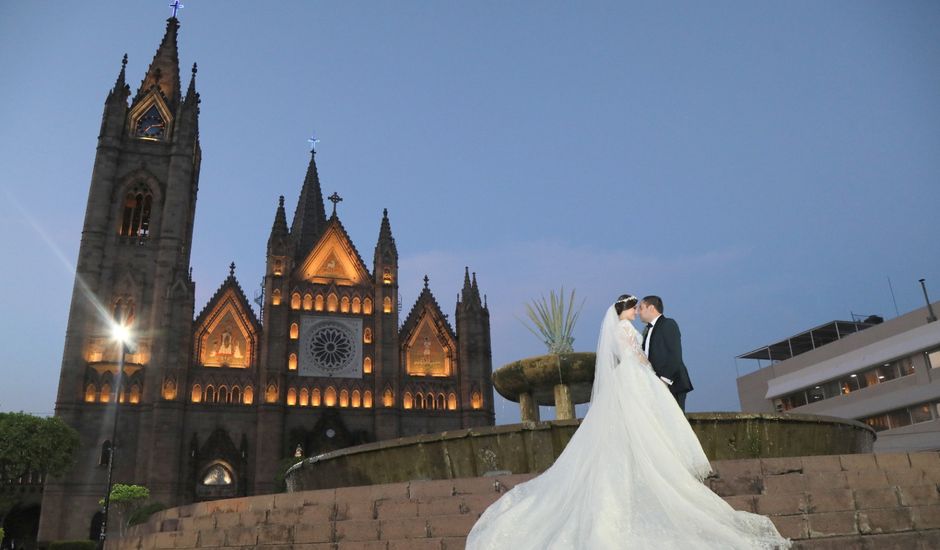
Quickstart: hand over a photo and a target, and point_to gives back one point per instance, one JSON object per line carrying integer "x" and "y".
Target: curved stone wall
{"x": 533, "y": 447}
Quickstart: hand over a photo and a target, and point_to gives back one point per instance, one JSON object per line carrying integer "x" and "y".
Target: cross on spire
{"x": 335, "y": 199}
{"x": 176, "y": 7}
{"x": 313, "y": 141}
{"x": 231, "y": 269}
{"x": 426, "y": 281}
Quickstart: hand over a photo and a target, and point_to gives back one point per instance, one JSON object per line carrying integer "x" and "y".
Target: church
{"x": 218, "y": 404}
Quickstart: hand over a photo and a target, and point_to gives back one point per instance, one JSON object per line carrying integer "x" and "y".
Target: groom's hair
{"x": 654, "y": 301}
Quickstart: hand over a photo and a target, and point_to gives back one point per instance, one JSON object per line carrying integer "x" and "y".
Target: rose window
{"x": 332, "y": 348}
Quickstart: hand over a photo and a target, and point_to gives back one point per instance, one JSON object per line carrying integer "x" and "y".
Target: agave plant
{"x": 552, "y": 321}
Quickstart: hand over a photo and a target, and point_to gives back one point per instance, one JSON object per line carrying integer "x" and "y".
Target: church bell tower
{"x": 133, "y": 269}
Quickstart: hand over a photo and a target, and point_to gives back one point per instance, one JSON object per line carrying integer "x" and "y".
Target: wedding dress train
{"x": 631, "y": 476}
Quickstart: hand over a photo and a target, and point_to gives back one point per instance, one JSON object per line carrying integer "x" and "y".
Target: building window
{"x": 476, "y": 400}
{"x": 105, "y": 457}
{"x": 921, "y": 413}
{"x": 906, "y": 366}
{"x": 304, "y": 397}
{"x": 294, "y": 331}
{"x": 278, "y": 268}
{"x": 271, "y": 394}
{"x": 356, "y": 399}
{"x": 344, "y": 305}
{"x": 196, "y": 396}
{"x": 329, "y": 397}
{"x": 295, "y": 300}
{"x": 367, "y": 335}
{"x": 308, "y": 301}
{"x": 315, "y": 397}
{"x": 217, "y": 475}
{"x": 249, "y": 395}
{"x": 367, "y": 399}
{"x": 441, "y": 402}
{"x": 105, "y": 395}
{"x": 332, "y": 302}
{"x": 388, "y": 398}
{"x": 933, "y": 359}
{"x": 91, "y": 392}
{"x": 407, "y": 402}
{"x": 319, "y": 304}
{"x": 386, "y": 276}
{"x": 236, "y": 395}
{"x": 367, "y": 306}
{"x": 291, "y": 397}
{"x": 135, "y": 394}
{"x": 292, "y": 362}
{"x": 210, "y": 394}
{"x": 356, "y": 305}
{"x": 135, "y": 219}
{"x": 367, "y": 365}
{"x": 452, "y": 402}
{"x": 276, "y": 297}
{"x": 343, "y": 398}
{"x": 387, "y": 305}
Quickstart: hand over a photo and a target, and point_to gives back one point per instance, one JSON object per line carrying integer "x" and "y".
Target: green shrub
{"x": 72, "y": 545}
{"x": 144, "y": 513}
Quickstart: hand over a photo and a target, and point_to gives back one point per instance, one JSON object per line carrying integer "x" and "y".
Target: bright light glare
{"x": 120, "y": 333}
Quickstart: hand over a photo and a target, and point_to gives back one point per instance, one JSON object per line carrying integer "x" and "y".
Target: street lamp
{"x": 121, "y": 334}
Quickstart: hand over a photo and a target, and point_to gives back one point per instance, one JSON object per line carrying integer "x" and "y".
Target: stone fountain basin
{"x": 538, "y": 377}
{"x": 532, "y": 447}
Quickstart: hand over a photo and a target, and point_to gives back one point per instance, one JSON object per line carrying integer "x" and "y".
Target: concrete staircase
{"x": 821, "y": 502}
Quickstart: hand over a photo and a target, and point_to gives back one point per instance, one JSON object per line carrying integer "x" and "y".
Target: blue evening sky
{"x": 765, "y": 167}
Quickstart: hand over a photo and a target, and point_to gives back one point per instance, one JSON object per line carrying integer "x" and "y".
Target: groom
{"x": 662, "y": 344}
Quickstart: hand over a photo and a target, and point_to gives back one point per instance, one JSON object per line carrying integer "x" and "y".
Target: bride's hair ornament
{"x": 625, "y": 301}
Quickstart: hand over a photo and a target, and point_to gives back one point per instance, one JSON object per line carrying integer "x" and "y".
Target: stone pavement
{"x": 845, "y": 502}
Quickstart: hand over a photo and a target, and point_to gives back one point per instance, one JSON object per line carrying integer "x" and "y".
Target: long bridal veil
{"x": 630, "y": 476}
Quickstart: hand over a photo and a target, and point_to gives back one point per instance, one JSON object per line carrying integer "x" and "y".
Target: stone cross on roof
{"x": 335, "y": 199}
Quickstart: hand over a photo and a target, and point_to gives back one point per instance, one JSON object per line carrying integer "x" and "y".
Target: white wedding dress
{"x": 631, "y": 476}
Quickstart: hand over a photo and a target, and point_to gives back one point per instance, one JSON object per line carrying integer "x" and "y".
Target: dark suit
{"x": 666, "y": 357}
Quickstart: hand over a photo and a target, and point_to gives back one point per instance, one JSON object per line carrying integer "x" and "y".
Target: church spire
{"x": 191, "y": 94}
{"x": 164, "y": 71}
{"x": 279, "y": 229}
{"x": 121, "y": 89}
{"x": 309, "y": 216}
{"x": 386, "y": 241}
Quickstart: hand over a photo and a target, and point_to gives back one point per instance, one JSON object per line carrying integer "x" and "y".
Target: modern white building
{"x": 885, "y": 374}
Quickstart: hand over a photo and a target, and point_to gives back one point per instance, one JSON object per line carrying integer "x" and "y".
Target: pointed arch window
{"x": 476, "y": 400}
{"x": 135, "y": 217}
{"x": 276, "y": 297}
{"x": 249, "y": 396}
{"x": 441, "y": 402}
{"x": 304, "y": 397}
{"x": 329, "y": 397}
{"x": 236, "y": 396}
{"x": 315, "y": 397}
{"x": 197, "y": 393}
{"x": 452, "y": 402}
{"x": 367, "y": 306}
{"x": 271, "y": 394}
{"x": 291, "y": 397}
{"x": 319, "y": 303}
{"x": 419, "y": 400}
{"x": 408, "y": 401}
{"x": 387, "y": 276}
{"x": 210, "y": 394}
{"x": 295, "y": 300}
{"x": 387, "y": 305}
{"x": 332, "y": 302}
{"x": 308, "y": 301}
{"x": 356, "y": 399}
{"x": 343, "y": 398}
{"x": 223, "y": 395}
{"x": 294, "y": 331}
{"x": 292, "y": 362}
{"x": 344, "y": 304}
{"x": 388, "y": 398}
{"x": 135, "y": 394}
{"x": 367, "y": 335}
{"x": 367, "y": 399}
{"x": 91, "y": 393}
{"x": 367, "y": 365}
{"x": 356, "y": 305}
{"x": 105, "y": 395}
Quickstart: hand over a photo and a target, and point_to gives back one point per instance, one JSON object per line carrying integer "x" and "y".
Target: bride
{"x": 631, "y": 476}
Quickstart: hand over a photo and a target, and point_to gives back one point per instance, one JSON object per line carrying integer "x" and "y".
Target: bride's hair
{"x": 625, "y": 301}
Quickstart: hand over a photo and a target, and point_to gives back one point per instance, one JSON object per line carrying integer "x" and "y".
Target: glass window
{"x": 797, "y": 399}
{"x": 860, "y": 380}
{"x": 816, "y": 394}
{"x": 886, "y": 372}
{"x": 878, "y": 423}
{"x": 833, "y": 388}
{"x": 933, "y": 359}
{"x": 900, "y": 418}
{"x": 906, "y": 366}
{"x": 921, "y": 413}
{"x": 871, "y": 377}
{"x": 217, "y": 475}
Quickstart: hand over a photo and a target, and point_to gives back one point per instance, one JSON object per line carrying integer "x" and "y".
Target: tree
{"x": 126, "y": 500}
{"x": 31, "y": 444}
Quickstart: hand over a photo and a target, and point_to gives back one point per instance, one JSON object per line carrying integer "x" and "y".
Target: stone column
{"x": 529, "y": 408}
{"x": 564, "y": 407}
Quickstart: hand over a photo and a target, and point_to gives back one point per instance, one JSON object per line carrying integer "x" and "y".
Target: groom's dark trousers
{"x": 665, "y": 354}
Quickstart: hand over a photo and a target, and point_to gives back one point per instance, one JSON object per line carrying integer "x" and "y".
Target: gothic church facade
{"x": 216, "y": 406}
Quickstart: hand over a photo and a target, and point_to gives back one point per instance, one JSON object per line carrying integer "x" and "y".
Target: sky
{"x": 764, "y": 167}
